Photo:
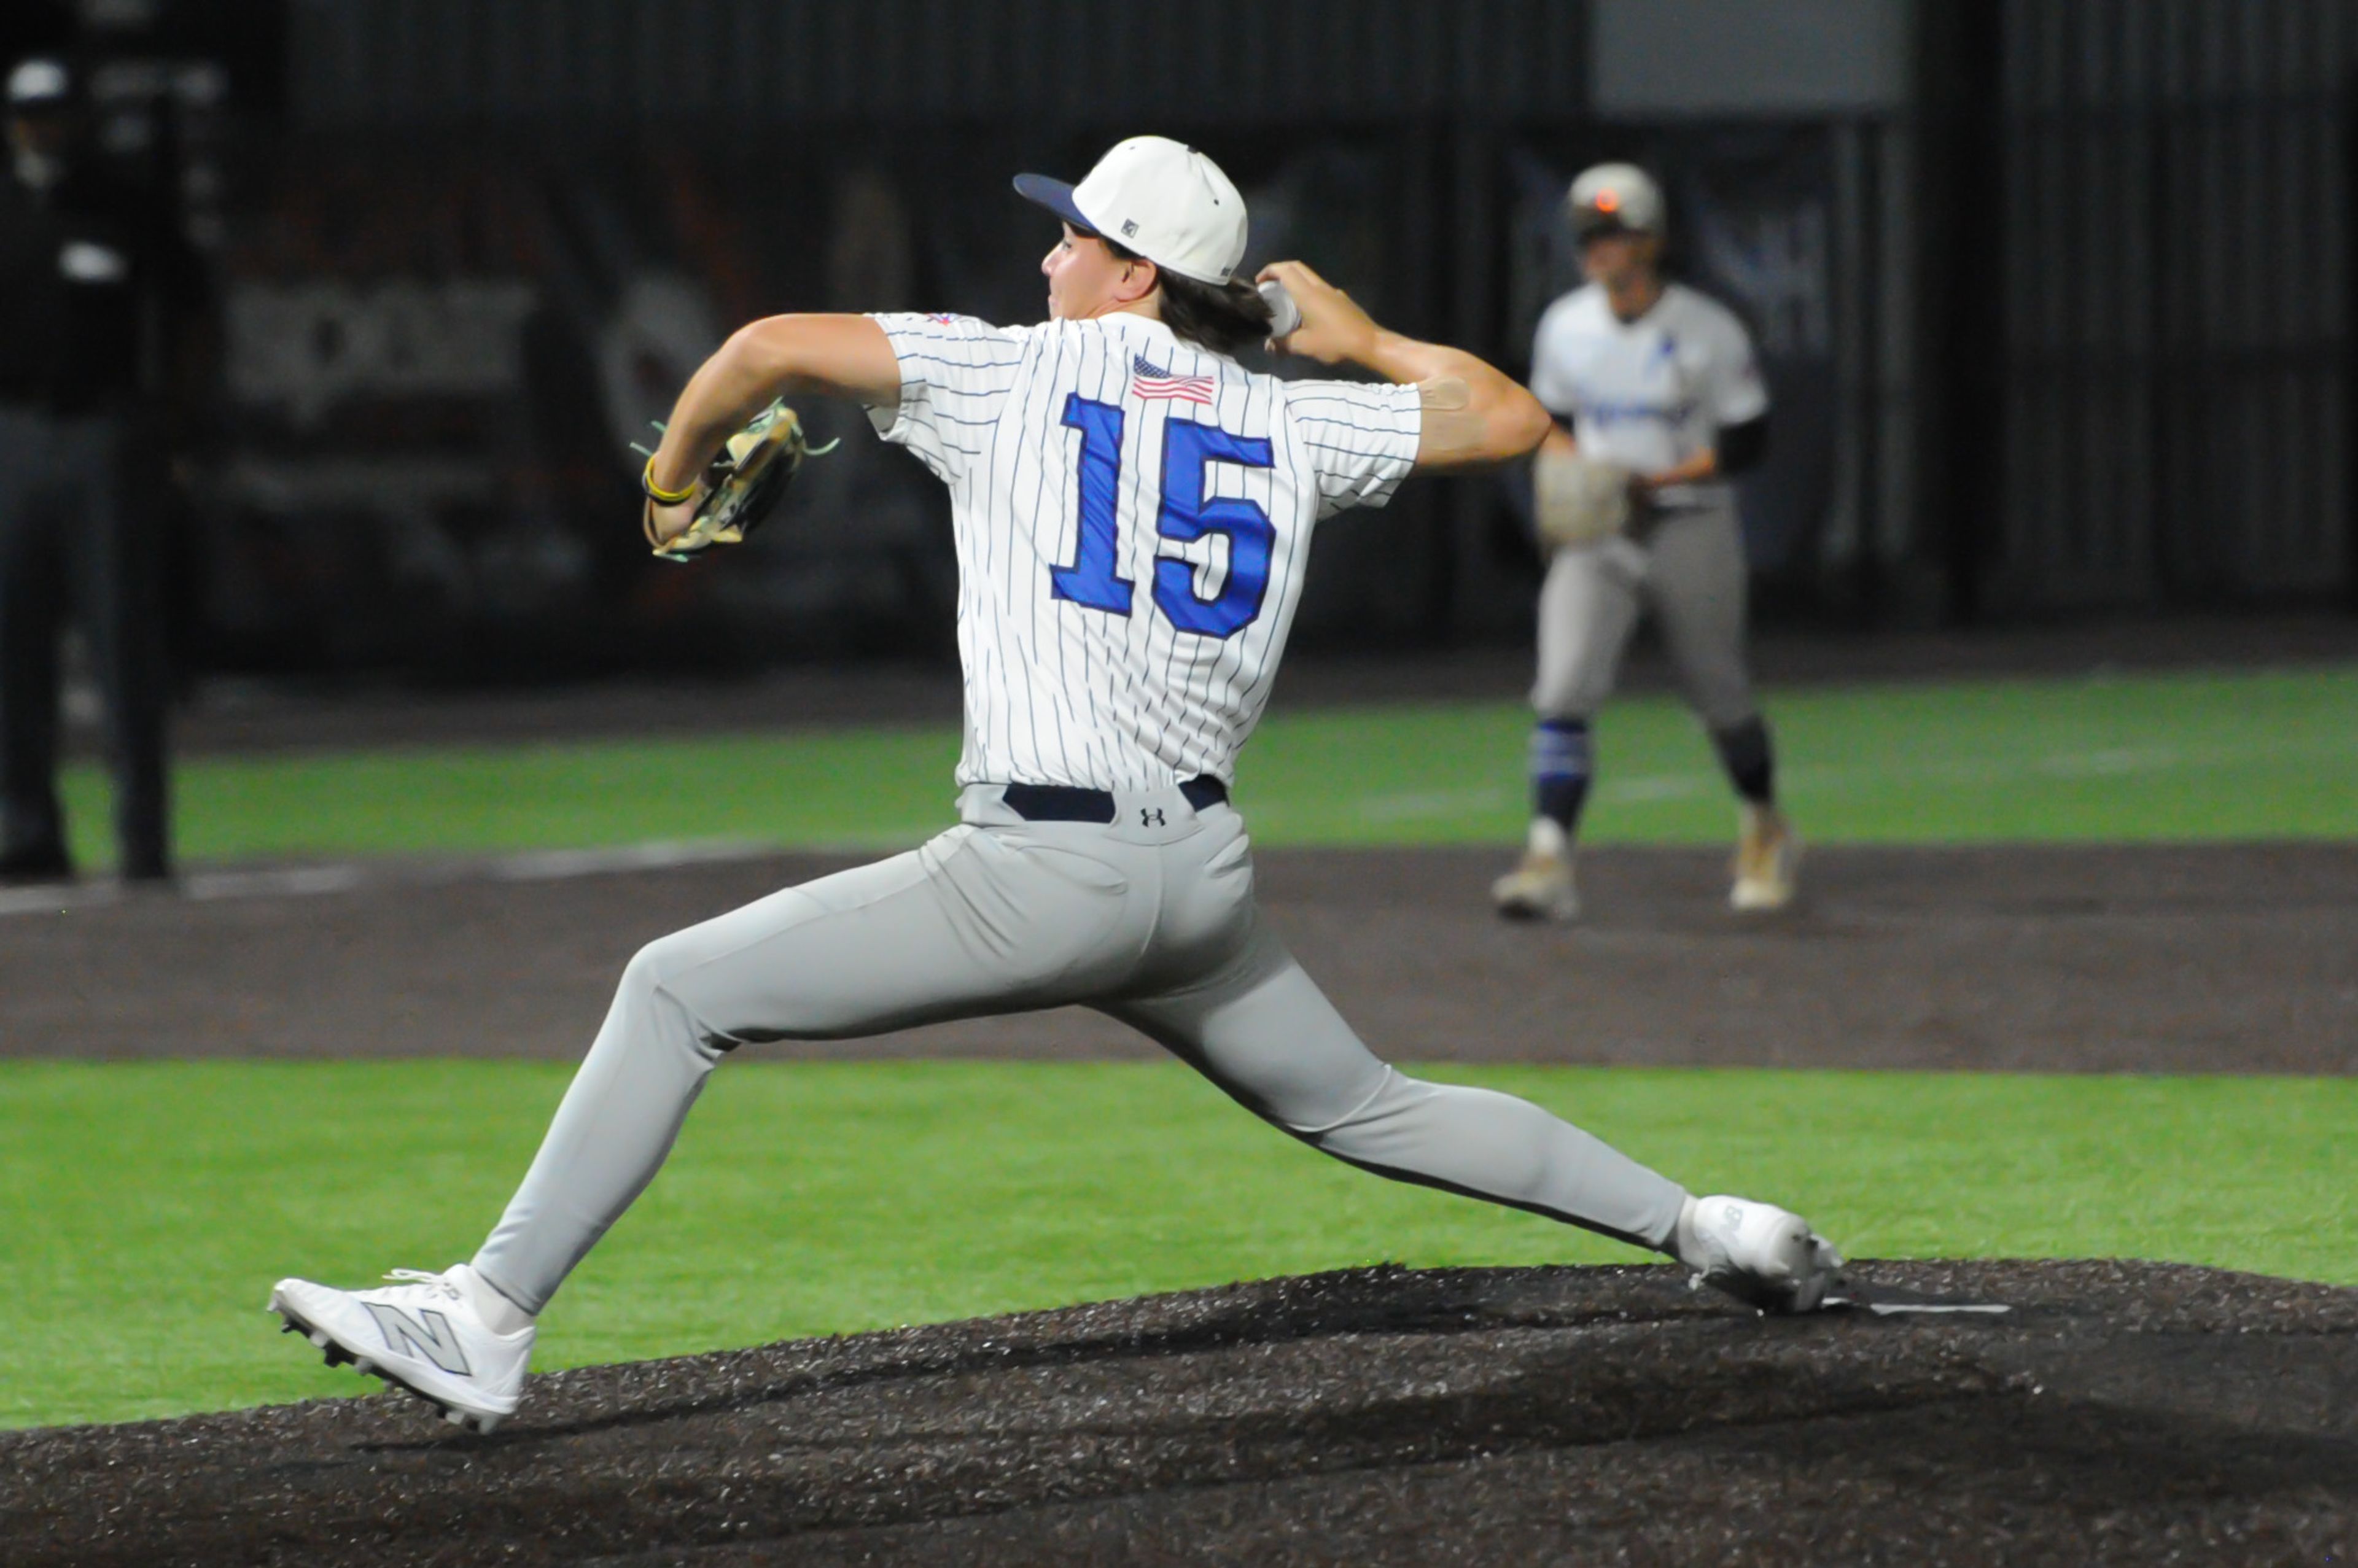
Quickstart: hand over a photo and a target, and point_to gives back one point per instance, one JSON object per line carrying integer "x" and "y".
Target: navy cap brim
{"x": 1054, "y": 195}
{"x": 1588, "y": 223}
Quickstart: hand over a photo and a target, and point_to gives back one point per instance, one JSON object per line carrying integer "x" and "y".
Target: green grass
{"x": 2147, "y": 757}
{"x": 2209, "y": 756}
{"x": 149, "y": 1205}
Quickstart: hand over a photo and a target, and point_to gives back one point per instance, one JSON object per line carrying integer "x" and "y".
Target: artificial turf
{"x": 2199, "y": 756}
{"x": 151, "y": 1205}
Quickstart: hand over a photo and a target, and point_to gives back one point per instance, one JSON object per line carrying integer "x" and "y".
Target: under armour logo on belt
{"x": 1150, "y": 817}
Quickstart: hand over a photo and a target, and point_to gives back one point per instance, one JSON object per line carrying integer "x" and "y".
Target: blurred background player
{"x": 1659, "y": 380}
{"x": 91, "y": 266}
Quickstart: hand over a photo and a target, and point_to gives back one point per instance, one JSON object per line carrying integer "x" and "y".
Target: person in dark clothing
{"x": 88, "y": 263}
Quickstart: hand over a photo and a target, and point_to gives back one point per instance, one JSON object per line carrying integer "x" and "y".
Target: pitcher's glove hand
{"x": 743, "y": 485}
{"x": 1578, "y": 499}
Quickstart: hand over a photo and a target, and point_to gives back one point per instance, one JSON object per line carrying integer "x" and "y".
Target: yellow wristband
{"x": 656, "y": 492}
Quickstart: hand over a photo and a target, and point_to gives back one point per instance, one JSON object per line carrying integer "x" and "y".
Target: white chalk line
{"x": 350, "y": 876}
{"x": 1396, "y": 807}
{"x": 2108, "y": 762}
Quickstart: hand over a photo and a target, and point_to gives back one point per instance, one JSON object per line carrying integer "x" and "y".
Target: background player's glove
{"x": 744, "y": 483}
{"x": 1578, "y": 501}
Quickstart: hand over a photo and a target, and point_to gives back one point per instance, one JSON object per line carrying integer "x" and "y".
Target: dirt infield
{"x": 2117, "y": 1413}
{"x": 2226, "y": 958}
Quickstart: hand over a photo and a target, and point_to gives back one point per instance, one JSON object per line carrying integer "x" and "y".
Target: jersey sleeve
{"x": 1733, "y": 383}
{"x": 1550, "y": 384}
{"x": 1360, "y": 438}
{"x": 956, "y": 374}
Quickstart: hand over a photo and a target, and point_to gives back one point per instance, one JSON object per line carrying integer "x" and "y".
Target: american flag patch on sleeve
{"x": 1148, "y": 382}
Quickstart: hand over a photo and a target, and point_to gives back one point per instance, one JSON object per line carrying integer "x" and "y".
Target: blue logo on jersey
{"x": 1602, "y": 413}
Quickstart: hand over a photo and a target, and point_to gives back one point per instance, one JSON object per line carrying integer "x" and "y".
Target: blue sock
{"x": 1560, "y": 770}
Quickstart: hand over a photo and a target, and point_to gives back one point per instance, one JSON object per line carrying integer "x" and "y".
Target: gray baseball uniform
{"x": 1132, "y": 518}
{"x": 1648, "y": 394}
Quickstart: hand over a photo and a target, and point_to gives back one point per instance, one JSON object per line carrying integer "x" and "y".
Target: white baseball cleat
{"x": 1768, "y": 857}
{"x": 1758, "y": 1253}
{"x": 1540, "y": 888}
{"x": 418, "y": 1334}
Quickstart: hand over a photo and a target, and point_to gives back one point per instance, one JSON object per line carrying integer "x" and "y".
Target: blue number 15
{"x": 1185, "y": 514}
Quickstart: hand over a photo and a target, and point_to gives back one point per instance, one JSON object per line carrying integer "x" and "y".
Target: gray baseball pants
{"x": 1688, "y": 569}
{"x": 1151, "y": 920}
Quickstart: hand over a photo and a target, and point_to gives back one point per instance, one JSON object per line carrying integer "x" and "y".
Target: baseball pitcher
{"x": 1665, "y": 402}
{"x": 1134, "y": 513}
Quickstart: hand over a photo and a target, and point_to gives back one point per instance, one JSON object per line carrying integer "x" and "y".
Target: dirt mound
{"x": 2117, "y": 1413}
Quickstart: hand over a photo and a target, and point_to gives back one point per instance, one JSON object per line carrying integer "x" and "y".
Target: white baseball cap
{"x": 39, "y": 82}
{"x": 1165, "y": 201}
{"x": 1616, "y": 195}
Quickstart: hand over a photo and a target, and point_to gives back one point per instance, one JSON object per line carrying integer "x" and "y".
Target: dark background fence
{"x": 2053, "y": 294}
{"x": 2175, "y": 188}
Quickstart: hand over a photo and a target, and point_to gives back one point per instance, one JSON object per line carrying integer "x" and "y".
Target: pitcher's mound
{"x": 2114, "y": 1413}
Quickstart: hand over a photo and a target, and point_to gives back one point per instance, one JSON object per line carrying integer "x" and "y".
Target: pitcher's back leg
{"x": 1259, "y": 1028}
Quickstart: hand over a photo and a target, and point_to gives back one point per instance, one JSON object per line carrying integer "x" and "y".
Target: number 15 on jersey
{"x": 1184, "y": 515}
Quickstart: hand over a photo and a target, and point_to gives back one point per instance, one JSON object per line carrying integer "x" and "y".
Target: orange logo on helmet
{"x": 1607, "y": 202}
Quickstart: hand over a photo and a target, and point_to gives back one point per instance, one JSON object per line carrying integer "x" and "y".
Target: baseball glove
{"x": 745, "y": 481}
{"x": 1579, "y": 501}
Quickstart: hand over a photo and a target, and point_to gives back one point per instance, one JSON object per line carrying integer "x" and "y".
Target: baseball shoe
{"x": 1757, "y": 1253}
{"x": 1540, "y": 888}
{"x": 1768, "y": 855}
{"x": 417, "y": 1333}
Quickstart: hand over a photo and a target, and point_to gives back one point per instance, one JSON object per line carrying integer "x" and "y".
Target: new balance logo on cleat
{"x": 420, "y": 1333}
{"x": 430, "y": 1334}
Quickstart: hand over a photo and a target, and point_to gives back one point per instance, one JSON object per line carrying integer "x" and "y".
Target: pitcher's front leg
{"x": 964, "y": 925}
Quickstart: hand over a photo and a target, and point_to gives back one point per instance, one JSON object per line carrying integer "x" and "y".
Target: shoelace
{"x": 422, "y": 1279}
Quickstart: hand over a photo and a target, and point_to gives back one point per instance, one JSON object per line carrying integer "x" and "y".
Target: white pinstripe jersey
{"x": 1133, "y": 519}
